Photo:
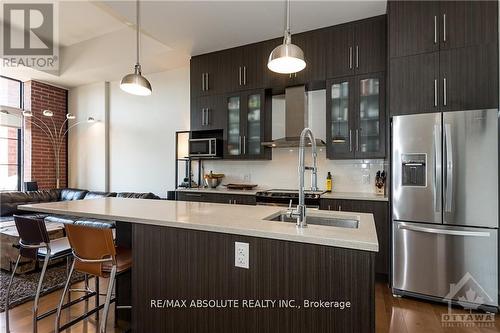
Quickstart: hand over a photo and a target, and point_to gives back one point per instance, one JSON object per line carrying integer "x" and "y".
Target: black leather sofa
{"x": 9, "y": 202}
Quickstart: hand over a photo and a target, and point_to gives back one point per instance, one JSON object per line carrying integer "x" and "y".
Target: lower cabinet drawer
{"x": 217, "y": 198}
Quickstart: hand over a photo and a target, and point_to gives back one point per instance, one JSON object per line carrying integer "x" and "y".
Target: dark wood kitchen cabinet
{"x": 357, "y": 48}
{"x": 469, "y": 78}
{"x": 248, "y": 117}
{"x": 232, "y": 199}
{"x": 207, "y": 74}
{"x": 414, "y": 84}
{"x": 243, "y": 67}
{"x": 207, "y": 113}
{"x": 443, "y": 56}
{"x": 450, "y": 80}
{"x": 355, "y": 117}
{"x": 417, "y": 27}
{"x": 380, "y": 211}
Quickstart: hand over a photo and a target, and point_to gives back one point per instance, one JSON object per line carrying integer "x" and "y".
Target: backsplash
{"x": 281, "y": 171}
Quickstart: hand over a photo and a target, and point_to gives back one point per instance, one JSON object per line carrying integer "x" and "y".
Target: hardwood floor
{"x": 398, "y": 315}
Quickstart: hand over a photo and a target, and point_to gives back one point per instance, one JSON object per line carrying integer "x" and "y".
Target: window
{"x": 11, "y": 95}
{"x": 10, "y": 158}
{"x": 11, "y": 92}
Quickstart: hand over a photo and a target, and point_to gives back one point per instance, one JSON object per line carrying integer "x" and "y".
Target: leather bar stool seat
{"x": 123, "y": 261}
{"x": 95, "y": 253}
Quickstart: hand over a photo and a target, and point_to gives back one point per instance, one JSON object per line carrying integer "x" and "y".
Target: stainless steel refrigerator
{"x": 445, "y": 205}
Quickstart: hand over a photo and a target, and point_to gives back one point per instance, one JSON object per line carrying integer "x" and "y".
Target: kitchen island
{"x": 184, "y": 277}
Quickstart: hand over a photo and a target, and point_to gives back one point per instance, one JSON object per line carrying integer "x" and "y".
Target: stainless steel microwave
{"x": 206, "y": 148}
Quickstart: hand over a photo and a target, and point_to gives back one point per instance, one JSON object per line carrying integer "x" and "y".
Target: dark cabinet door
{"x": 340, "y": 51}
{"x": 414, "y": 84}
{"x": 370, "y": 116}
{"x": 468, "y": 23}
{"x": 370, "y": 46}
{"x": 207, "y": 113}
{"x": 232, "y": 76}
{"x": 248, "y": 125}
{"x": 413, "y": 27}
{"x": 340, "y": 118}
{"x": 469, "y": 78}
{"x": 197, "y": 75}
{"x": 312, "y": 43}
{"x": 380, "y": 211}
{"x": 253, "y": 66}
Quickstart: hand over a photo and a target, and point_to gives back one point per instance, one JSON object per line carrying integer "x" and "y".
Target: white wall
{"x": 87, "y": 151}
{"x": 142, "y": 133}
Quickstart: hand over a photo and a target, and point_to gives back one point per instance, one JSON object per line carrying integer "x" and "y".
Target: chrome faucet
{"x": 300, "y": 211}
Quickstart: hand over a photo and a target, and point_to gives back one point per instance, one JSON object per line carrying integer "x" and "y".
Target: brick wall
{"x": 39, "y": 160}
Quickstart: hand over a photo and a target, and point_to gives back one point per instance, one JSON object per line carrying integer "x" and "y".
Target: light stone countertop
{"x": 231, "y": 219}
{"x": 220, "y": 190}
{"x": 354, "y": 196}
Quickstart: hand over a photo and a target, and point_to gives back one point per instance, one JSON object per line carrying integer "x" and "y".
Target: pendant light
{"x": 135, "y": 83}
{"x": 286, "y": 58}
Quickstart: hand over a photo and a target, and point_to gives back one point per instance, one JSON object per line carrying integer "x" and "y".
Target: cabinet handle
{"x": 193, "y": 195}
{"x": 203, "y": 117}
{"x": 244, "y": 75}
{"x": 435, "y": 92}
{"x": 239, "y": 151}
{"x": 208, "y": 117}
{"x": 239, "y": 75}
{"x": 340, "y": 208}
{"x": 329, "y": 207}
{"x": 357, "y": 56}
{"x": 435, "y": 30}
{"x": 350, "y": 140}
{"x": 444, "y": 91}
{"x": 244, "y": 144}
{"x": 202, "y": 81}
{"x": 357, "y": 140}
{"x": 207, "y": 85}
{"x": 444, "y": 27}
{"x": 350, "y": 57}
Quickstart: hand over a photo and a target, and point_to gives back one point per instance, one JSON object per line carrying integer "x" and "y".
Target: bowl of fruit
{"x": 213, "y": 180}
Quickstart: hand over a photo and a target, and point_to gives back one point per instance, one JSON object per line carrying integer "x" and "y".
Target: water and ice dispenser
{"x": 413, "y": 169}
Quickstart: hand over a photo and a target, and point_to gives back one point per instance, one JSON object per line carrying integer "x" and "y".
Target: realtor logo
{"x": 469, "y": 294}
{"x": 30, "y": 35}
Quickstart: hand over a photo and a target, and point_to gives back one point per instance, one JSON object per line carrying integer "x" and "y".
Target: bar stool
{"x": 35, "y": 244}
{"x": 94, "y": 253}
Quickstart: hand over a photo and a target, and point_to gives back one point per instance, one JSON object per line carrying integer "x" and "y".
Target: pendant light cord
{"x": 138, "y": 24}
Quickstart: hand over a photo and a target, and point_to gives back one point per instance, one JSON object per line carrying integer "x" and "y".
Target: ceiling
{"x": 97, "y": 38}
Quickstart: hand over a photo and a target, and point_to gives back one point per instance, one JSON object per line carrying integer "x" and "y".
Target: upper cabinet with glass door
{"x": 249, "y": 124}
{"x": 356, "y": 117}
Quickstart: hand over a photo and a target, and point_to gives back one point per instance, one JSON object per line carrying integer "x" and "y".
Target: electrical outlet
{"x": 242, "y": 255}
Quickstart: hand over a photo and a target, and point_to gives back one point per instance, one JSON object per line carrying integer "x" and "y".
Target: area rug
{"x": 24, "y": 285}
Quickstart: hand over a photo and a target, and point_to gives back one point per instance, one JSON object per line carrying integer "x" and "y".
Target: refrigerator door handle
{"x": 444, "y": 231}
{"x": 448, "y": 168}
{"x": 437, "y": 168}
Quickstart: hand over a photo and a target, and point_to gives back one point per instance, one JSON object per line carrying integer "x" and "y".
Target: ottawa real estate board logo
{"x": 30, "y": 35}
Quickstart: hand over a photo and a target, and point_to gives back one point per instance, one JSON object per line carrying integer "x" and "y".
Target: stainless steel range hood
{"x": 296, "y": 119}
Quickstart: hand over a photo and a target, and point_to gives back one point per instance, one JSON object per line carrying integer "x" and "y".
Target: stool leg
{"x": 61, "y": 301}
{"x": 7, "y": 298}
{"x": 39, "y": 289}
{"x": 97, "y": 297}
{"x": 108, "y": 300}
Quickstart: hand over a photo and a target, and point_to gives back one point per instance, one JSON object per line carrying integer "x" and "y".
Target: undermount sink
{"x": 317, "y": 220}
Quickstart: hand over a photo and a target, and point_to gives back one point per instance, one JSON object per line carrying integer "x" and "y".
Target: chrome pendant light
{"x": 135, "y": 83}
{"x": 286, "y": 58}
